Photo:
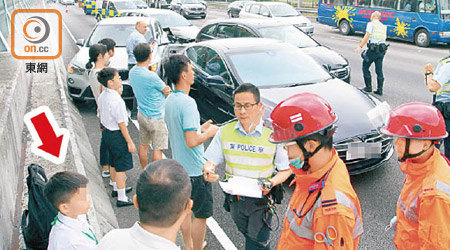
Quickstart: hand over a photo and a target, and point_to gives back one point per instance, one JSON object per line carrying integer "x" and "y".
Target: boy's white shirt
{"x": 69, "y": 233}
{"x": 112, "y": 109}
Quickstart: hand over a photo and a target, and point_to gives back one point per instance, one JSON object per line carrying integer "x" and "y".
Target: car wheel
{"x": 84, "y": 10}
{"x": 422, "y": 38}
{"x": 203, "y": 17}
{"x": 344, "y": 27}
{"x": 230, "y": 14}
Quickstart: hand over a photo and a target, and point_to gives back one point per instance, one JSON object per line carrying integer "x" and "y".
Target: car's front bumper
{"x": 362, "y": 165}
{"x": 195, "y": 13}
{"x": 79, "y": 89}
{"x": 307, "y": 29}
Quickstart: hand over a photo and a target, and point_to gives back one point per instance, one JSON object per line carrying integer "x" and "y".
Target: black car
{"x": 281, "y": 70}
{"x": 235, "y": 7}
{"x": 333, "y": 62}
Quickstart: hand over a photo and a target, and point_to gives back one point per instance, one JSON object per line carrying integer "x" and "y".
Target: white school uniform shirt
{"x": 112, "y": 109}
{"x": 71, "y": 234}
{"x": 135, "y": 238}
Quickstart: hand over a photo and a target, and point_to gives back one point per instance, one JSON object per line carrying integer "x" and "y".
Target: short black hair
{"x": 106, "y": 74}
{"x": 174, "y": 66}
{"x": 110, "y": 43}
{"x": 94, "y": 51}
{"x": 248, "y": 87}
{"x": 62, "y": 186}
{"x": 163, "y": 191}
{"x": 326, "y": 141}
{"x": 142, "y": 51}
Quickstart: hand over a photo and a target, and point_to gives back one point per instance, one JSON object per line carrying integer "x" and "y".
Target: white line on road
{"x": 68, "y": 31}
{"x": 221, "y": 236}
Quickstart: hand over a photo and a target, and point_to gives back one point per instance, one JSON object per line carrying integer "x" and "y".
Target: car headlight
{"x": 73, "y": 69}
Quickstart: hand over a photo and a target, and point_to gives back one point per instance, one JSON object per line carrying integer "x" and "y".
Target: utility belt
{"x": 276, "y": 195}
{"x": 377, "y": 47}
{"x": 444, "y": 108}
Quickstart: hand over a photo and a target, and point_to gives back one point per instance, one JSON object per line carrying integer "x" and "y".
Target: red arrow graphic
{"x": 50, "y": 142}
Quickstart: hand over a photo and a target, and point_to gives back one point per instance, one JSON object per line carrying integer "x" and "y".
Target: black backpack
{"x": 36, "y": 221}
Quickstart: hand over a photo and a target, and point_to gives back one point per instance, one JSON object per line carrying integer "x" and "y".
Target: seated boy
{"x": 117, "y": 140}
{"x": 67, "y": 191}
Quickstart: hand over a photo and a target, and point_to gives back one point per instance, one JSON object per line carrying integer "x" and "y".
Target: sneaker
{"x": 124, "y": 203}
{"x": 105, "y": 174}
{"x": 127, "y": 190}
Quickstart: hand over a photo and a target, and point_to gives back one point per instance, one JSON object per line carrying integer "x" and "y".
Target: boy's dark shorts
{"x": 201, "y": 194}
{"x": 117, "y": 147}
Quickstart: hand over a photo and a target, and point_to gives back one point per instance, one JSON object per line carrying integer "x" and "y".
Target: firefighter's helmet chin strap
{"x": 307, "y": 155}
{"x": 407, "y": 155}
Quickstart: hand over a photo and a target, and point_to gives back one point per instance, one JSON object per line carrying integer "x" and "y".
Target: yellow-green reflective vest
{"x": 247, "y": 156}
{"x": 379, "y": 31}
{"x": 446, "y": 87}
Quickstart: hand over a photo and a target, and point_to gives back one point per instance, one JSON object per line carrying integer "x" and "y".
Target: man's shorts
{"x": 201, "y": 195}
{"x": 117, "y": 147}
{"x": 153, "y": 131}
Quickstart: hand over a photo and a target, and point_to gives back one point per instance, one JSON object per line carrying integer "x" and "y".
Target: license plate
{"x": 359, "y": 150}
{"x": 446, "y": 33}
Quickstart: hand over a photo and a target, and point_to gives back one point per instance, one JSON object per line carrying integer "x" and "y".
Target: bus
{"x": 420, "y": 21}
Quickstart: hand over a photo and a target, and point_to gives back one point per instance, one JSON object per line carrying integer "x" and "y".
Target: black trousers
{"x": 252, "y": 220}
{"x": 373, "y": 57}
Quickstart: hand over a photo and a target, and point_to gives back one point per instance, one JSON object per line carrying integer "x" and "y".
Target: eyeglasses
{"x": 118, "y": 78}
{"x": 246, "y": 106}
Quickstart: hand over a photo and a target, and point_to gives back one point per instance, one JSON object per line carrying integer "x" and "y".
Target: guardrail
{"x": 225, "y": 3}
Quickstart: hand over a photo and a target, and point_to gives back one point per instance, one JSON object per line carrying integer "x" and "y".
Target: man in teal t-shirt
{"x": 150, "y": 92}
{"x": 186, "y": 141}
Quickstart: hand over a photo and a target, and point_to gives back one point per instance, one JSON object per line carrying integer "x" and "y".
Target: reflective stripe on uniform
{"x": 446, "y": 87}
{"x": 245, "y": 155}
{"x": 305, "y": 229}
{"x": 444, "y": 187}
{"x": 344, "y": 200}
{"x": 411, "y": 212}
{"x": 379, "y": 31}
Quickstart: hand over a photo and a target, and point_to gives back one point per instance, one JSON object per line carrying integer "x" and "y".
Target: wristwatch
{"x": 429, "y": 72}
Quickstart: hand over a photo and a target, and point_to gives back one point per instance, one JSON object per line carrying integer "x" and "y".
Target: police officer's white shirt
{"x": 370, "y": 30}
{"x": 215, "y": 154}
{"x": 70, "y": 234}
{"x": 112, "y": 109}
{"x": 442, "y": 76}
{"x": 135, "y": 238}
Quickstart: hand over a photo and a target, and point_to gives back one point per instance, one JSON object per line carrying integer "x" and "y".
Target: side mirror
{"x": 266, "y": 14}
{"x": 80, "y": 42}
{"x": 217, "y": 81}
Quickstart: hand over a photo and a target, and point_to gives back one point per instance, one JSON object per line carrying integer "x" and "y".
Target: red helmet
{"x": 416, "y": 120}
{"x": 300, "y": 115}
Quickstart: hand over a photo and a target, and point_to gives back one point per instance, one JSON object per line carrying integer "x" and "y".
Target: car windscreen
{"x": 125, "y": 5}
{"x": 277, "y": 67}
{"x": 289, "y": 34}
{"x": 171, "y": 20}
{"x": 445, "y": 6}
{"x": 118, "y": 32}
{"x": 282, "y": 10}
{"x": 191, "y": 1}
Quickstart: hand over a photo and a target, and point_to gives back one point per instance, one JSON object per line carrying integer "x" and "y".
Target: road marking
{"x": 68, "y": 31}
{"x": 210, "y": 222}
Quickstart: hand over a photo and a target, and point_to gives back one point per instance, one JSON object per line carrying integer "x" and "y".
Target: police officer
{"x": 438, "y": 81}
{"x": 324, "y": 211}
{"x": 376, "y": 49}
{"x": 244, "y": 147}
{"x": 423, "y": 208}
